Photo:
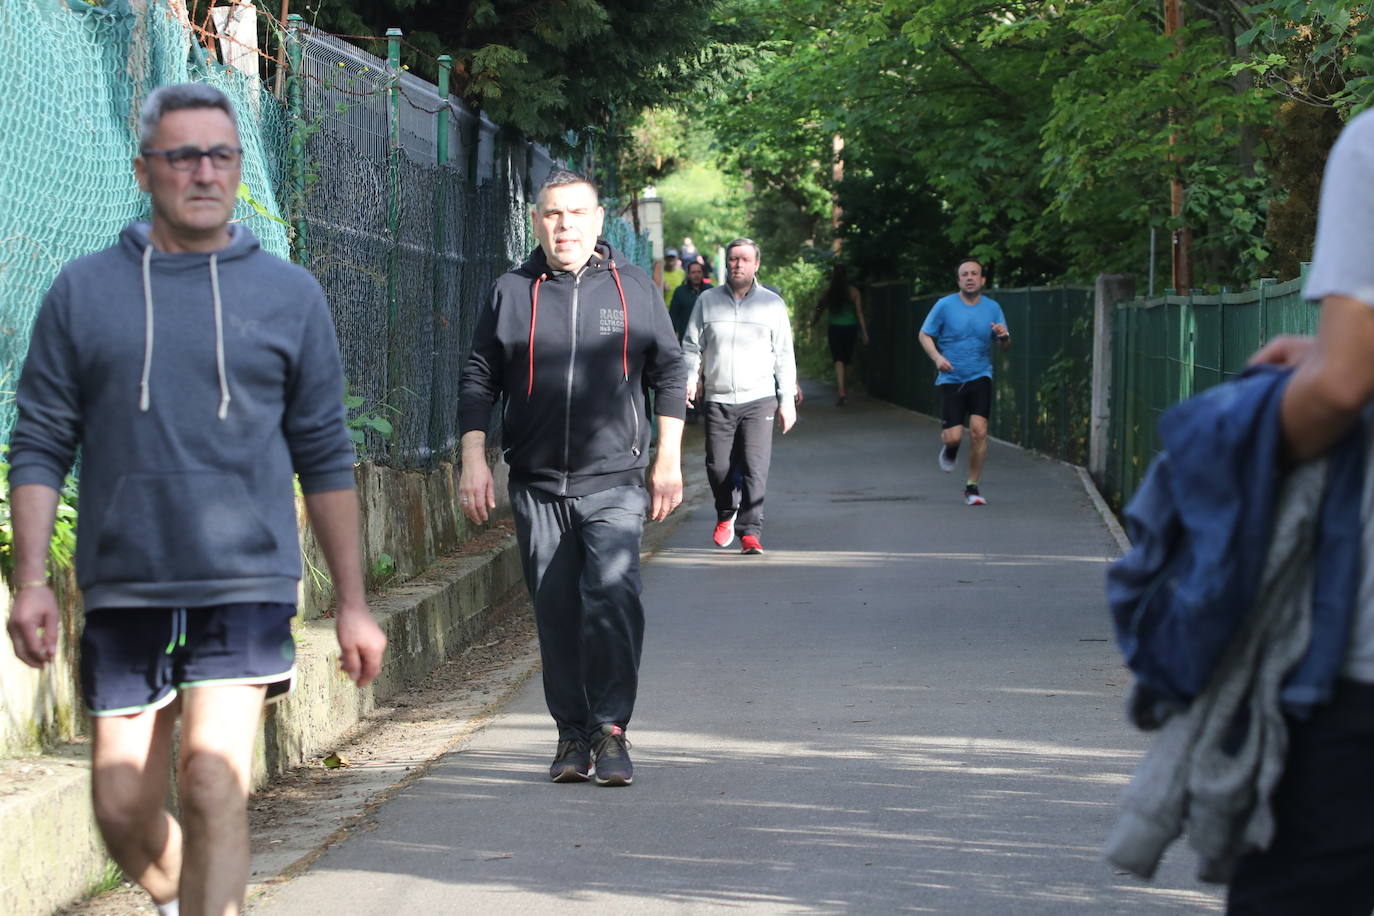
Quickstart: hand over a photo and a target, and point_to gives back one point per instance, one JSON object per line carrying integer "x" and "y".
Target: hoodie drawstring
{"x": 147, "y": 331}
{"x": 534, "y": 320}
{"x": 624, "y": 324}
{"x": 144, "y": 386}
{"x": 219, "y": 338}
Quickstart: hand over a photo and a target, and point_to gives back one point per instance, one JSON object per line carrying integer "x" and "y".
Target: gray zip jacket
{"x": 746, "y": 346}
{"x": 194, "y": 385}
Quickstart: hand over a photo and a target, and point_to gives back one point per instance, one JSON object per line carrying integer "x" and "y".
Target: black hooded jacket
{"x": 570, "y": 354}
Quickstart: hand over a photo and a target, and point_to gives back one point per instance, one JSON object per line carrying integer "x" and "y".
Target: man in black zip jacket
{"x": 569, "y": 342}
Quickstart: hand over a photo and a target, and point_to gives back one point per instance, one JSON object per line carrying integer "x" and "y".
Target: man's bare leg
{"x": 219, "y": 726}
{"x": 978, "y": 432}
{"x": 130, "y": 767}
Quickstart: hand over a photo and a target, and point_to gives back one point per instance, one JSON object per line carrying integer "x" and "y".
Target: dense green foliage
{"x": 1040, "y": 136}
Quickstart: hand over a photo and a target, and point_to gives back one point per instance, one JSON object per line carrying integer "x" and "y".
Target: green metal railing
{"x": 1164, "y": 350}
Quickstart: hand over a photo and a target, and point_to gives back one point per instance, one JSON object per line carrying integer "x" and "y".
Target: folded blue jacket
{"x": 1200, "y": 527}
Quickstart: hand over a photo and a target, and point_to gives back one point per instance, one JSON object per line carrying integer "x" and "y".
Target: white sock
{"x": 168, "y": 909}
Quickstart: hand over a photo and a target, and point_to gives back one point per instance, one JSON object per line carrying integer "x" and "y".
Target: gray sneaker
{"x": 611, "y": 754}
{"x": 946, "y": 460}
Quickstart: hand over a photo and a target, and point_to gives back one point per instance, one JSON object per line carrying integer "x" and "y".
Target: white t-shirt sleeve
{"x": 1343, "y": 260}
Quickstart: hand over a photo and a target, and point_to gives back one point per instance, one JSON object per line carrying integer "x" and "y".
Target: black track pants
{"x": 581, "y": 563}
{"x": 747, "y": 431}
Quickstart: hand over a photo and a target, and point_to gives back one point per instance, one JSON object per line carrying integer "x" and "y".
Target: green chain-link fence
{"x": 1167, "y": 349}
{"x": 404, "y": 203}
{"x": 1042, "y": 385}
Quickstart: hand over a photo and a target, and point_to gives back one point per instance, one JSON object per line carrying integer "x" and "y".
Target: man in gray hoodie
{"x": 196, "y": 373}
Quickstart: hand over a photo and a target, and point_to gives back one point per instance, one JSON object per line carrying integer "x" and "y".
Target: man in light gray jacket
{"x": 739, "y": 339}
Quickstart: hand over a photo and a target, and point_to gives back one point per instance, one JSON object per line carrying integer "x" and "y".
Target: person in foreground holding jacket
{"x": 1322, "y": 857}
{"x": 1246, "y": 605}
{"x": 195, "y": 372}
{"x": 569, "y": 341}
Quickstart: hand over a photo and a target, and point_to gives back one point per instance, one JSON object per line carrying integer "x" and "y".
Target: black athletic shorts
{"x": 137, "y": 659}
{"x": 961, "y": 400}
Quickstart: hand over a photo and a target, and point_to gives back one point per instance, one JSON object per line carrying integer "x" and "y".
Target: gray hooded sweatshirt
{"x": 194, "y": 385}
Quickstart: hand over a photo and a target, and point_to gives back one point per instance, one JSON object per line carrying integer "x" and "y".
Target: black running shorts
{"x": 137, "y": 659}
{"x": 959, "y": 401}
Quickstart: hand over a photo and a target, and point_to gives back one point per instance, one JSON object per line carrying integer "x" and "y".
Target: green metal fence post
{"x": 437, "y": 425}
{"x": 1264, "y": 309}
{"x": 394, "y": 358}
{"x": 1187, "y": 363}
{"x": 393, "y": 60}
{"x": 441, "y": 118}
{"x": 294, "y": 56}
{"x": 1027, "y": 397}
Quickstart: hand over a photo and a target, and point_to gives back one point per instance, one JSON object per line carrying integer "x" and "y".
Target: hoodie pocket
{"x": 184, "y": 526}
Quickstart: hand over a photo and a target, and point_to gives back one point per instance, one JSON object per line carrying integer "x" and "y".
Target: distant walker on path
{"x": 957, "y": 335}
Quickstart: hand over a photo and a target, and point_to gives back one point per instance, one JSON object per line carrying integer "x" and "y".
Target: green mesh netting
{"x": 70, "y": 135}
{"x": 404, "y": 246}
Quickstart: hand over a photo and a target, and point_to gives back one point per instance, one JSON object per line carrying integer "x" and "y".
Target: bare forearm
{"x": 1332, "y": 384}
{"x": 334, "y": 518}
{"x": 669, "y": 440}
{"x": 928, "y": 344}
{"x": 474, "y": 446}
{"x": 33, "y": 508}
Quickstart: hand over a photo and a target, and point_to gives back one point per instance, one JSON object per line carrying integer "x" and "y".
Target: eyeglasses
{"x": 187, "y": 158}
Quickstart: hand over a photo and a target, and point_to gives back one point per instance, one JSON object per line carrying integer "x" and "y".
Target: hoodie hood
{"x": 136, "y": 240}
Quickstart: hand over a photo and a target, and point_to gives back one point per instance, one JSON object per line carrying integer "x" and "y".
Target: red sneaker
{"x": 725, "y": 532}
{"x": 750, "y": 544}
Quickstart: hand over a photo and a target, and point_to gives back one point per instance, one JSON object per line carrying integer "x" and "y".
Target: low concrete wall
{"x": 425, "y": 625}
{"x": 412, "y": 517}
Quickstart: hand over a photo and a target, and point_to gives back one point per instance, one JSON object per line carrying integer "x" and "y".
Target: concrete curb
{"x": 50, "y": 849}
{"x": 1123, "y": 542}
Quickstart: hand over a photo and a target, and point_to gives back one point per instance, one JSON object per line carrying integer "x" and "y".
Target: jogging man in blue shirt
{"x": 957, "y": 335}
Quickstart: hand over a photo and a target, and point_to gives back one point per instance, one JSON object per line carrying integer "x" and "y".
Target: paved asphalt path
{"x": 907, "y": 705}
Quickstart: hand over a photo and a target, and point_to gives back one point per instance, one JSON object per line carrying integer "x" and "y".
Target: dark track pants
{"x": 1322, "y": 857}
{"x": 750, "y": 427}
{"x": 581, "y": 561}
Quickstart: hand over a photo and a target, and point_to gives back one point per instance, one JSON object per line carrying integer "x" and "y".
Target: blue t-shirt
{"x": 963, "y": 333}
